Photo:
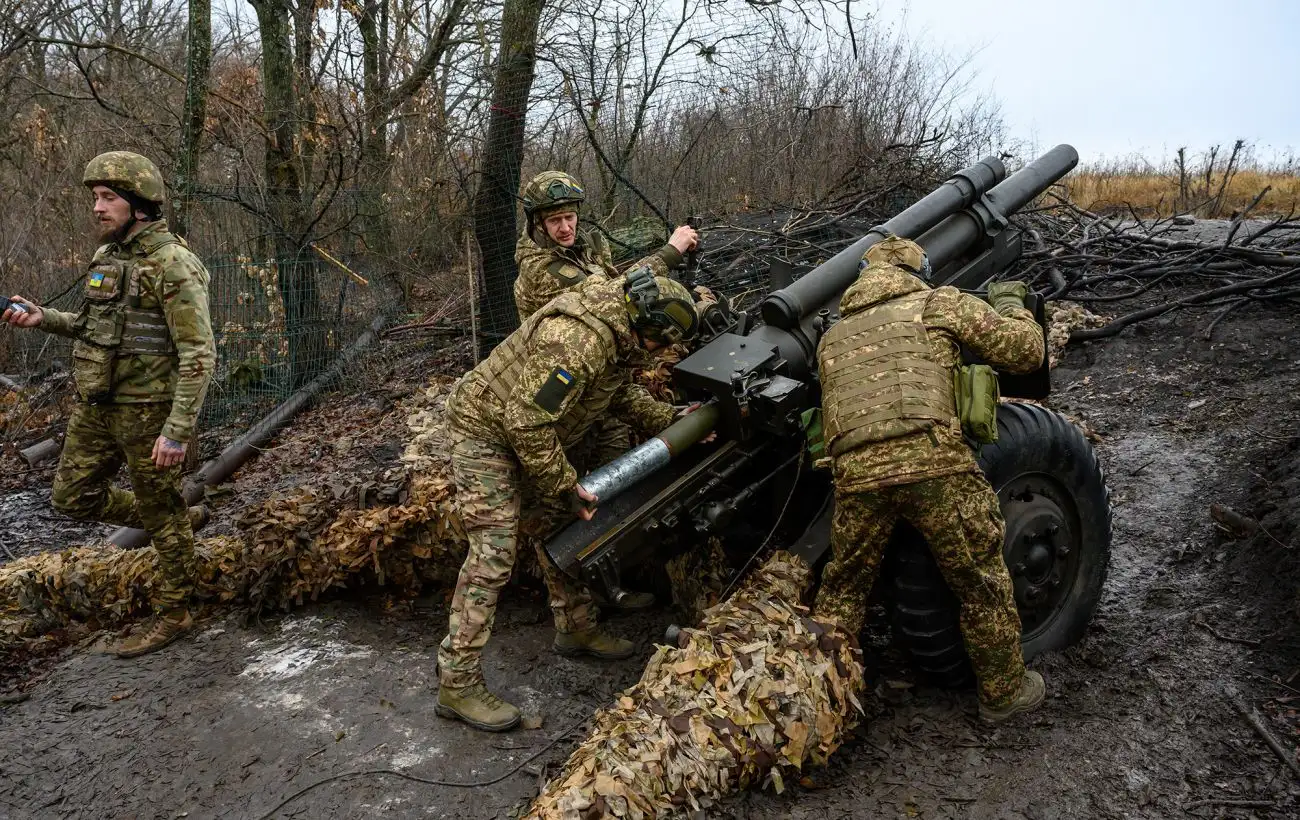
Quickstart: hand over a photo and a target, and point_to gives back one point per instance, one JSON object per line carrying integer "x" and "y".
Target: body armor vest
{"x": 501, "y": 370}
{"x": 879, "y": 377}
{"x": 113, "y": 317}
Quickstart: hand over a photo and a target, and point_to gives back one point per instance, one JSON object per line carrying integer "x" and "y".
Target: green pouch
{"x": 811, "y": 422}
{"x": 975, "y": 387}
{"x": 92, "y": 370}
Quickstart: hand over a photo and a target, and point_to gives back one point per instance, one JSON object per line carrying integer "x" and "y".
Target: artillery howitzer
{"x": 759, "y": 374}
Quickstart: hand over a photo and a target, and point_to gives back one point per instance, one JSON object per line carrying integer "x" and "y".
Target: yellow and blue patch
{"x": 552, "y": 393}
{"x": 96, "y": 279}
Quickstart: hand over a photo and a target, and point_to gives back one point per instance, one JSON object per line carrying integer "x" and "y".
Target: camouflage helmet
{"x": 550, "y": 190}
{"x": 904, "y": 253}
{"x": 128, "y": 172}
{"x": 660, "y": 308}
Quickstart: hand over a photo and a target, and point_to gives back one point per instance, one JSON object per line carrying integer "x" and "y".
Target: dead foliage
{"x": 756, "y": 693}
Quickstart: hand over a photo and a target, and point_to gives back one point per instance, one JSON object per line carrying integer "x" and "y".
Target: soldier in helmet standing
{"x": 510, "y": 421}
{"x": 554, "y": 255}
{"x": 142, "y": 357}
{"x": 892, "y": 431}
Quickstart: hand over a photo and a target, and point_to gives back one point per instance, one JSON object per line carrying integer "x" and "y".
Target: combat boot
{"x": 478, "y": 707}
{"x": 165, "y": 628}
{"x": 1032, "y": 691}
{"x": 595, "y": 642}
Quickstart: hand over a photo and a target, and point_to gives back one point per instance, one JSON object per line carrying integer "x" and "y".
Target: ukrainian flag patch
{"x": 551, "y": 396}
{"x": 96, "y": 280}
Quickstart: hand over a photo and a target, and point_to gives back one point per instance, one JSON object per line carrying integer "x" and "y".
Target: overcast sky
{"x": 1118, "y": 77}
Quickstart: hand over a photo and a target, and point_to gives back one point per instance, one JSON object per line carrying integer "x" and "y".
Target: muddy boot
{"x": 1032, "y": 691}
{"x": 199, "y": 517}
{"x": 478, "y": 707}
{"x": 164, "y": 629}
{"x": 594, "y": 642}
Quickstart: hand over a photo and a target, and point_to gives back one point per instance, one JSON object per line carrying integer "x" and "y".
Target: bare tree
{"x": 500, "y": 160}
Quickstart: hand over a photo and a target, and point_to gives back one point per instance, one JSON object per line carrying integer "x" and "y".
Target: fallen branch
{"x": 1131, "y": 318}
{"x": 1252, "y": 718}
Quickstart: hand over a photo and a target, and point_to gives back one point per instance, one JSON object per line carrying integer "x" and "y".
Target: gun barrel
{"x": 785, "y": 307}
{"x": 950, "y": 239}
{"x": 636, "y": 464}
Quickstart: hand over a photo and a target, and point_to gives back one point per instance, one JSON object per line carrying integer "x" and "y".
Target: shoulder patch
{"x": 553, "y": 391}
{"x": 566, "y": 272}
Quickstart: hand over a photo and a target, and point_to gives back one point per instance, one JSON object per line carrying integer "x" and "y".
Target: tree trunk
{"x": 198, "y": 62}
{"x": 375, "y": 225}
{"x": 494, "y": 201}
{"x": 295, "y": 263}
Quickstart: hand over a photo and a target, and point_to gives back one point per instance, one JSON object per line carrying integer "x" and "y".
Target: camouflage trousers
{"x": 100, "y": 439}
{"x": 490, "y": 493}
{"x": 960, "y": 518}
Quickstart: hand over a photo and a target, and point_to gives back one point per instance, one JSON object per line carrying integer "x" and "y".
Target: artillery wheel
{"x": 1057, "y": 509}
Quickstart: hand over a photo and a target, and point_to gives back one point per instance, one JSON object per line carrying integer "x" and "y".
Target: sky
{"x": 1116, "y": 78}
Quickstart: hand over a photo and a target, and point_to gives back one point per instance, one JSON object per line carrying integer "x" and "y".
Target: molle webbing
{"x": 507, "y": 360}
{"x": 880, "y": 380}
{"x": 145, "y": 332}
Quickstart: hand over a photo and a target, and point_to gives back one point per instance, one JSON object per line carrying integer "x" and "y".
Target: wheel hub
{"x": 1041, "y": 548}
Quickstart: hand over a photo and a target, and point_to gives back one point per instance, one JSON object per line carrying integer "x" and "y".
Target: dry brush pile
{"x": 1169, "y": 264}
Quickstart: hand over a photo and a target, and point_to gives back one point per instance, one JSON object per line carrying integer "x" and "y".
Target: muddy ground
{"x": 1138, "y": 722}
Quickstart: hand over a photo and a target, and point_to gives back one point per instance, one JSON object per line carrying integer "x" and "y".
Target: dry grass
{"x": 1217, "y": 184}
{"x": 1153, "y": 194}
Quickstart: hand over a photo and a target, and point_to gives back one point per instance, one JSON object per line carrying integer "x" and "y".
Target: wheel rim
{"x": 1042, "y": 548}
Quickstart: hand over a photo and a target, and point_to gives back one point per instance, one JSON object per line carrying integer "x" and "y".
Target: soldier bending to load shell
{"x": 512, "y": 422}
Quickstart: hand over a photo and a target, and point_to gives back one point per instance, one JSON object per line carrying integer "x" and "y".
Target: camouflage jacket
{"x": 546, "y": 269}
{"x": 544, "y": 386}
{"x": 1012, "y": 341}
{"x": 171, "y": 280}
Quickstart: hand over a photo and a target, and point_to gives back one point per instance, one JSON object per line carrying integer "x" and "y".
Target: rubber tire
{"x": 924, "y": 612}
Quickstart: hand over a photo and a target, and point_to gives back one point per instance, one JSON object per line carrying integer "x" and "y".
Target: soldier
{"x": 510, "y": 421}
{"x": 554, "y": 255}
{"x": 892, "y": 432}
{"x": 142, "y": 356}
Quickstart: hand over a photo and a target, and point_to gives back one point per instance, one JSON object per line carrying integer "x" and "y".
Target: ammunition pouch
{"x": 92, "y": 369}
{"x": 975, "y": 388}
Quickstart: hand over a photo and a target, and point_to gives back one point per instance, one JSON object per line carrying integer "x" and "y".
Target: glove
{"x": 1006, "y": 295}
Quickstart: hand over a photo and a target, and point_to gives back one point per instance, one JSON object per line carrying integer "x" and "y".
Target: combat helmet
{"x": 127, "y": 174}
{"x": 550, "y": 190}
{"x": 661, "y": 309}
{"x": 895, "y": 250}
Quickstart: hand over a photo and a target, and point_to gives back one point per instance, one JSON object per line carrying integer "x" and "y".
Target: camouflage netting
{"x": 756, "y": 693}
{"x": 1063, "y": 318}
{"x": 293, "y": 547}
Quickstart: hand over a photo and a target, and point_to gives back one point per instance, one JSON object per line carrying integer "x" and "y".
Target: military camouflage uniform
{"x": 142, "y": 359}
{"x": 511, "y": 420}
{"x": 898, "y": 454}
{"x": 547, "y": 269}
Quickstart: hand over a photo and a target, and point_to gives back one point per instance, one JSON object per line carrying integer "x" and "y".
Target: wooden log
{"x": 40, "y": 451}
